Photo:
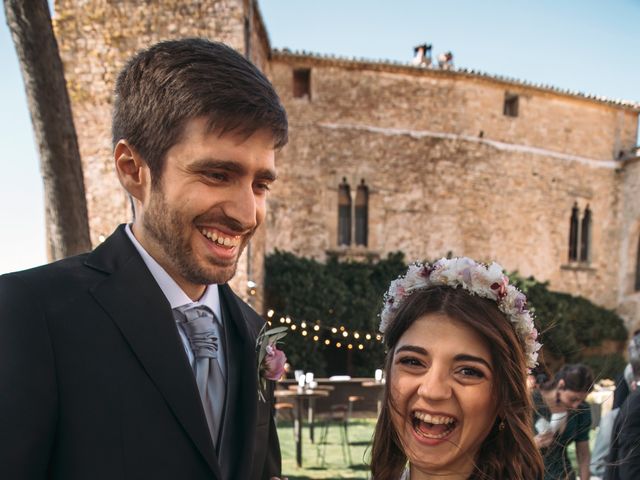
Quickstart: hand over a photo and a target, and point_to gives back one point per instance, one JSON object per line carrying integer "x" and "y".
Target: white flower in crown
{"x": 484, "y": 281}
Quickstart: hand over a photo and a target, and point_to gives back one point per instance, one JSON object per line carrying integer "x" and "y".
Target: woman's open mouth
{"x": 432, "y": 427}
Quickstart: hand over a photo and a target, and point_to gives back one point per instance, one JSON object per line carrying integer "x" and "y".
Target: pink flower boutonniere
{"x": 270, "y": 360}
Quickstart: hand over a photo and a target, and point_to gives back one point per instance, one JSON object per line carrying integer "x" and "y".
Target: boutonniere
{"x": 270, "y": 360}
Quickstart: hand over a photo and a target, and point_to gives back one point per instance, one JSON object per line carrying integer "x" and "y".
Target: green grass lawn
{"x": 336, "y": 457}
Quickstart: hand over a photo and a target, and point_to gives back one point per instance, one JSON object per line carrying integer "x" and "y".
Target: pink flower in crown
{"x": 273, "y": 363}
{"x": 520, "y": 302}
{"x": 500, "y": 288}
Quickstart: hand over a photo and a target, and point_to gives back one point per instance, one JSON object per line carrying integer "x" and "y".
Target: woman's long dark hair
{"x": 506, "y": 454}
{"x": 577, "y": 378}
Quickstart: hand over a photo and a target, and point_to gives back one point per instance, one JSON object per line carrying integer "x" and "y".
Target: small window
{"x": 510, "y": 104}
{"x": 637, "y": 286}
{"x": 344, "y": 213}
{"x": 362, "y": 214}
{"x": 573, "y": 234}
{"x": 302, "y": 83}
{"x": 585, "y": 236}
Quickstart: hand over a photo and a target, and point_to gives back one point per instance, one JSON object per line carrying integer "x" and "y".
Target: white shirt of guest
{"x": 177, "y": 298}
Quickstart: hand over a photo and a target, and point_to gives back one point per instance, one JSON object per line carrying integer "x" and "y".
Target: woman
{"x": 562, "y": 398}
{"x": 460, "y": 342}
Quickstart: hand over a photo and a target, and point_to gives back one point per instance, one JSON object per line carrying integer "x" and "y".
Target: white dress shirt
{"x": 177, "y": 298}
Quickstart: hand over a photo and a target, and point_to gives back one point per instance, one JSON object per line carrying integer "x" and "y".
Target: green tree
{"x": 332, "y": 294}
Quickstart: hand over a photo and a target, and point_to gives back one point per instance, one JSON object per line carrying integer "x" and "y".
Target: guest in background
{"x": 563, "y": 417}
{"x": 623, "y": 462}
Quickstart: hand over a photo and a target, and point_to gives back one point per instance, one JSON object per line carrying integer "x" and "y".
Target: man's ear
{"x": 133, "y": 172}
{"x": 561, "y": 384}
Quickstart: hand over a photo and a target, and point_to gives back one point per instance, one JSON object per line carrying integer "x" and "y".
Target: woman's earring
{"x": 501, "y": 425}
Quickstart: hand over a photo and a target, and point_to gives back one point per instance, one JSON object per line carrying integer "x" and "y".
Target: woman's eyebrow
{"x": 412, "y": 348}
{"x": 463, "y": 357}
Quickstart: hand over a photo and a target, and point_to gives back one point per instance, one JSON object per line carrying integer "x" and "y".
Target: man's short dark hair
{"x": 172, "y": 82}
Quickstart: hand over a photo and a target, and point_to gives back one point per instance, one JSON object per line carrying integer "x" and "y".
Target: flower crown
{"x": 478, "y": 279}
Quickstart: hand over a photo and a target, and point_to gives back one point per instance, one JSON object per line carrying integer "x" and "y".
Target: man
{"x": 623, "y": 462}
{"x": 137, "y": 360}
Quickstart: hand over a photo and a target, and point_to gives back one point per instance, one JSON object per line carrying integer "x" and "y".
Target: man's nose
{"x": 241, "y": 206}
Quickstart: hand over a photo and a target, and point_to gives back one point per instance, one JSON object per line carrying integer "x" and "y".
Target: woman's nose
{"x": 435, "y": 384}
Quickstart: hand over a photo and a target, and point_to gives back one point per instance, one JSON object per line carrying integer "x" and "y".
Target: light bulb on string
{"x": 293, "y": 327}
{"x": 270, "y": 313}
{"x": 334, "y": 330}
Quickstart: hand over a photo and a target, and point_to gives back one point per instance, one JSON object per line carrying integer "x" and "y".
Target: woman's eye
{"x": 410, "y": 361}
{"x": 471, "y": 372}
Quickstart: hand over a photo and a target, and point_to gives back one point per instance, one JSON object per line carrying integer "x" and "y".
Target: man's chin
{"x": 219, "y": 272}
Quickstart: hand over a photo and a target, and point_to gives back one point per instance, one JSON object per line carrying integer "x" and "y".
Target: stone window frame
{"x": 301, "y": 78}
{"x": 510, "y": 107}
{"x": 580, "y": 249}
{"x": 353, "y": 216}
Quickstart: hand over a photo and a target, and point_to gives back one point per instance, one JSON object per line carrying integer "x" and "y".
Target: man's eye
{"x": 265, "y": 187}
{"x": 216, "y": 176}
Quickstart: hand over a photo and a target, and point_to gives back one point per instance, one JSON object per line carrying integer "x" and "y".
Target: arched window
{"x": 637, "y": 286}
{"x": 585, "y": 236}
{"x": 362, "y": 214}
{"x": 344, "y": 213}
{"x": 573, "y": 234}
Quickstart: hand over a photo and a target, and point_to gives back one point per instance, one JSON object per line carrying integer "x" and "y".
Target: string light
{"x": 313, "y": 331}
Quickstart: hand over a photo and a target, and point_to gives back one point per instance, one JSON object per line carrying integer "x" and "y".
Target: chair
{"x": 283, "y": 408}
{"x": 340, "y": 415}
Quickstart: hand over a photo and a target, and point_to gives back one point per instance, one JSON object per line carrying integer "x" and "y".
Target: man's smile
{"x": 221, "y": 238}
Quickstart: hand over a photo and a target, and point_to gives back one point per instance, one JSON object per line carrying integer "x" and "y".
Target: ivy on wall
{"x": 346, "y": 295}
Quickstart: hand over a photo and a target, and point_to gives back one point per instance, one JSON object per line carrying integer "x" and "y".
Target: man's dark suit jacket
{"x": 624, "y": 457}
{"x": 95, "y": 382}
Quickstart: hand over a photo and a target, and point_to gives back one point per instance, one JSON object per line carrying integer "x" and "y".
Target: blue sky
{"x": 589, "y": 46}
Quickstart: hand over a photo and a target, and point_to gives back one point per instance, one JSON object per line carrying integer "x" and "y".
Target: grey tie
{"x": 201, "y": 327}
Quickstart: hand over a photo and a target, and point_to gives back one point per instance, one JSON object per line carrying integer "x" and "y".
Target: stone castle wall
{"x": 438, "y": 186}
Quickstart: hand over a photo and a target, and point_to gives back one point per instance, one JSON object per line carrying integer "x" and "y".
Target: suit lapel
{"x": 138, "y": 307}
{"x": 238, "y": 430}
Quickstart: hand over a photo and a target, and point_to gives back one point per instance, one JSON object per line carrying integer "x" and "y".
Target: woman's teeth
{"x": 221, "y": 239}
{"x": 433, "y": 426}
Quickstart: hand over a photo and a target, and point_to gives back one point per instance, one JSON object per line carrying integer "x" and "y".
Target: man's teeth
{"x": 221, "y": 239}
{"x": 434, "y": 419}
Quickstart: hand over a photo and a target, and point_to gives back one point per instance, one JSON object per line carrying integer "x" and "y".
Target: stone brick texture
{"x": 447, "y": 171}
